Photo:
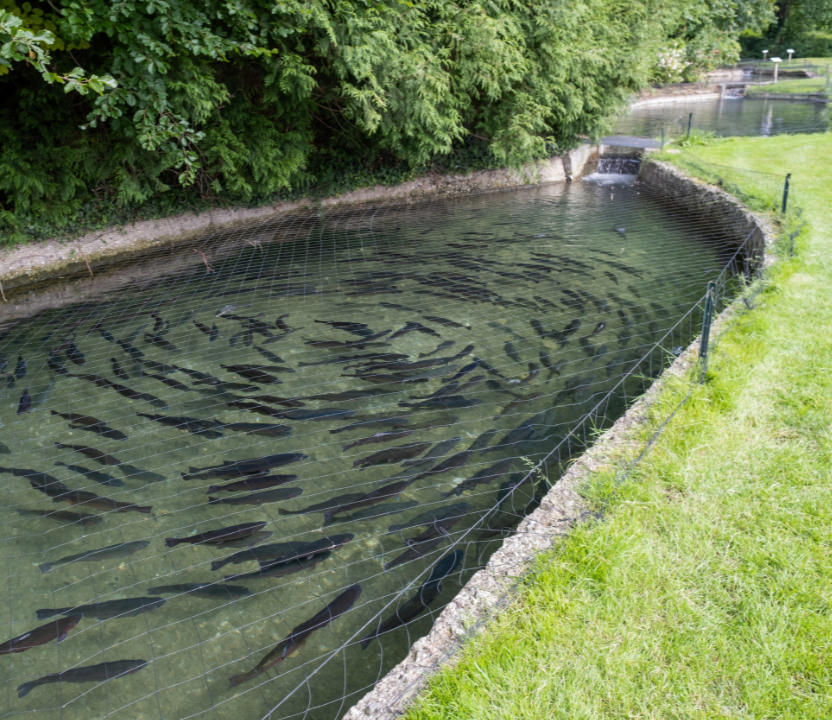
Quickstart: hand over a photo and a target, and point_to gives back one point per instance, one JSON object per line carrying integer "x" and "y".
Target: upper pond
{"x": 724, "y": 117}
{"x": 383, "y": 377}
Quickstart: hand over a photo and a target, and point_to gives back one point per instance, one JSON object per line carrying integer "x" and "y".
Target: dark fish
{"x": 442, "y": 403}
{"x": 486, "y": 475}
{"x": 125, "y": 607}
{"x": 510, "y": 351}
{"x": 346, "y": 395}
{"x": 265, "y": 429}
{"x": 381, "y": 510}
{"x": 159, "y": 341}
{"x": 325, "y": 505}
{"x": 425, "y": 595}
{"x": 25, "y": 403}
{"x": 131, "y": 350}
{"x": 280, "y": 324}
{"x": 158, "y": 367}
{"x": 269, "y": 355}
{"x": 445, "y": 322}
{"x": 439, "y": 348}
{"x": 426, "y": 542}
{"x": 598, "y": 328}
{"x": 280, "y": 569}
{"x": 20, "y": 368}
{"x": 63, "y": 515}
{"x": 432, "y": 516}
{"x": 380, "y": 437}
{"x": 284, "y": 552}
{"x": 392, "y": 455}
{"x": 159, "y": 324}
{"x": 57, "y": 364}
{"x": 257, "y": 374}
{"x": 211, "y": 332}
{"x": 622, "y": 231}
{"x": 90, "y": 452}
{"x": 239, "y": 468}
{"x": 483, "y": 440}
{"x": 221, "y": 536}
{"x": 74, "y": 354}
{"x": 534, "y": 371}
{"x": 356, "y": 328}
{"x": 256, "y": 482}
{"x": 441, "y": 449}
{"x": 257, "y": 498}
{"x": 255, "y": 407}
{"x": 295, "y": 639}
{"x": 206, "y": 589}
{"x": 103, "y": 553}
{"x": 375, "y": 497}
{"x": 206, "y": 428}
{"x": 82, "y": 497}
{"x": 132, "y": 394}
{"x": 318, "y": 414}
{"x": 86, "y": 422}
{"x": 90, "y": 673}
{"x": 55, "y": 630}
{"x": 170, "y": 382}
{"x": 117, "y": 370}
{"x": 131, "y": 471}
{"x": 98, "y": 476}
{"x": 286, "y": 402}
{"x": 394, "y": 421}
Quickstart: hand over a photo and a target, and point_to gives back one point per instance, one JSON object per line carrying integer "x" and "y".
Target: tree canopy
{"x": 130, "y": 104}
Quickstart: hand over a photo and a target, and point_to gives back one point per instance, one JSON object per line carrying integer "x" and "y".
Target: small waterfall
{"x": 618, "y": 165}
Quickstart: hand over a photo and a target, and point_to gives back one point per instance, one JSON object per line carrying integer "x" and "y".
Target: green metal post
{"x": 706, "y": 329}
{"x": 662, "y": 147}
{"x": 690, "y": 122}
{"x": 786, "y": 193}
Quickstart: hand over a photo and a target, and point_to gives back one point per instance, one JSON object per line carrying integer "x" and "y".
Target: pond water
{"x": 725, "y": 117}
{"x": 429, "y": 355}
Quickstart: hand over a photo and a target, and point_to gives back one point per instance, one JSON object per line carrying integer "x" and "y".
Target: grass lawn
{"x": 706, "y": 592}
{"x": 797, "y": 85}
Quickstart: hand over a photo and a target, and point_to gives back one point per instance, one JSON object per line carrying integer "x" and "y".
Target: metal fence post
{"x": 706, "y": 330}
{"x": 662, "y": 146}
{"x": 786, "y": 193}
{"x": 690, "y": 122}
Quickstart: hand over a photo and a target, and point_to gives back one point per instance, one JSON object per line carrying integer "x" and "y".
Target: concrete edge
{"x": 26, "y": 267}
{"x": 492, "y": 588}
{"x": 668, "y": 99}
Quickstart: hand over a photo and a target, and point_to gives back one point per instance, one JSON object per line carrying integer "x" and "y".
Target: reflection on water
{"x": 725, "y": 117}
{"x": 349, "y": 403}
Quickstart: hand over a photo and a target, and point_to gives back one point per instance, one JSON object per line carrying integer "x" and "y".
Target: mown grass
{"x": 797, "y": 85}
{"x": 706, "y": 592}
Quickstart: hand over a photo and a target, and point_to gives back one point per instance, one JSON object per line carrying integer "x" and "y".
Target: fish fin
{"x": 45, "y": 567}
{"x": 44, "y": 613}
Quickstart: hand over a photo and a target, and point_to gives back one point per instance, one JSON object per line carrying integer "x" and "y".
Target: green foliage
{"x": 183, "y": 104}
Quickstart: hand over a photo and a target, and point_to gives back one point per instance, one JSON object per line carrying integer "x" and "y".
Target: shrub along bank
{"x": 117, "y": 110}
{"x": 704, "y": 591}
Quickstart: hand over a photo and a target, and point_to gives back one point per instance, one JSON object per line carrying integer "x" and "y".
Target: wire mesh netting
{"x": 249, "y": 484}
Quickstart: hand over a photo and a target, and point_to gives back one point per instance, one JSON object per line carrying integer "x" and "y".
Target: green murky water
{"x": 541, "y": 305}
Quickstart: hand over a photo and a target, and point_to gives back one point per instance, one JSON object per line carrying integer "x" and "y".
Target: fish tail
{"x": 242, "y": 677}
{"x": 170, "y": 542}
{"x": 212, "y": 488}
{"x": 45, "y": 567}
{"x": 366, "y": 641}
{"x": 216, "y": 564}
{"x": 44, "y": 613}
{"x": 26, "y": 687}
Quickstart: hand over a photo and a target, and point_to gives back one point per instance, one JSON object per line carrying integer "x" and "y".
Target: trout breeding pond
{"x": 725, "y": 117}
{"x": 248, "y": 485}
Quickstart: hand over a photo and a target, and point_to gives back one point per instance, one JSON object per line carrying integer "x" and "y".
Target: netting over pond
{"x": 249, "y": 479}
